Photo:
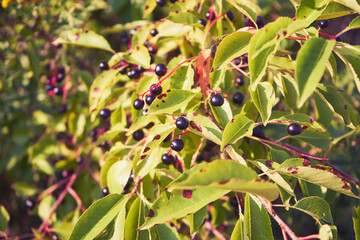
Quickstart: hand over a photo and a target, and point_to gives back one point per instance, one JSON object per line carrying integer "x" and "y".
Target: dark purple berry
{"x": 149, "y": 99}
{"x": 60, "y": 77}
{"x": 105, "y": 113}
{"x": 339, "y": 39}
{"x": 152, "y": 60}
{"x": 238, "y": 98}
{"x": 167, "y": 159}
{"x": 230, "y": 15}
{"x": 181, "y": 123}
{"x": 58, "y": 91}
{"x": 61, "y": 70}
{"x": 125, "y": 40}
{"x": 248, "y": 22}
{"x": 237, "y": 61}
{"x": 104, "y": 146}
{"x": 156, "y": 89}
{"x": 138, "y": 135}
{"x": 210, "y": 14}
{"x": 161, "y": 3}
{"x": 103, "y": 66}
{"x": 133, "y": 74}
{"x": 49, "y": 87}
{"x": 177, "y": 145}
{"x": 258, "y": 132}
{"x": 240, "y": 81}
{"x": 123, "y": 34}
{"x": 323, "y": 24}
{"x": 140, "y": 68}
{"x": 62, "y": 109}
{"x": 138, "y": 104}
{"x": 173, "y": 1}
{"x": 160, "y": 69}
{"x": 153, "y": 32}
{"x": 30, "y": 204}
{"x": 294, "y": 129}
{"x": 202, "y": 22}
{"x": 152, "y": 49}
{"x": 146, "y": 43}
{"x": 105, "y": 191}
{"x": 260, "y": 22}
{"x": 123, "y": 70}
{"x": 217, "y": 100}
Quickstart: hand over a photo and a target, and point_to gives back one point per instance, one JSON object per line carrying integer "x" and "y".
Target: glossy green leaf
{"x": 310, "y": 10}
{"x": 97, "y": 217}
{"x": 325, "y": 114}
{"x": 256, "y": 217}
{"x": 239, "y": 127}
{"x": 119, "y": 225}
{"x": 232, "y": 46}
{"x": 263, "y": 46}
{"x": 223, "y": 114}
{"x": 299, "y": 118}
{"x": 118, "y": 175}
{"x": 165, "y": 232}
{"x": 134, "y": 219}
{"x": 356, "y": 221}
{"x": 83, "y": 38}
{"x": 246, "y": 7}
{"x": 264, "y": 99}
{"x": 197, "y": 219}
{"x": 310, "y": 65}
{"x": 178, "y": 206}
{"x": 335, "y": 10}
{"x": 316, "y": 207}
{"x": 315, "y": 174}
{"x": 318, "y": 139}
{"x": 150, "y": 5}
{"x": 170, "y": 101}
{"x": 140, "y": 36}
{"x": 187, "y": 18}
{"x": 104, "y": 171}
{"x": 239, "y": 232}
{"x": 140, "y": 56}
{"x": 204, "y": 127}
{"x": 226, "y": 174}
{"x": 353, "y": 4}
{"x": 45, "y": 207}
{"x": 182, "y": 78}
{"x": 4, "y": 219}
{"x": 141, "y": 122}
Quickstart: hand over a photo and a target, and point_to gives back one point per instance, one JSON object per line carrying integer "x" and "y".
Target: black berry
{"x": 202, "y": 22}
{"x": 173, "y": 1}
{"x": 105, "y": 113}
{"x": 149, "y": 99}
{"x": 138, "y": 104}
{"x": 240, "y": 81}
{"x": 217, "y": 100}
{"x": 181, "y": 123}
{"x": 152, "y": 60}
{"x": 237, "y": 61}
{"x": 323, "y": 24}
{"x": 153, "y": 32}
{"x": 152, "y": 49}
{"x": 160, "y": 69}
{"x": 294, "y": 129}
{"x": 58, "y": 91}
{"x": 167, "y": 159}
{"x": 230, "y": 15}
{"x": 104, "y": 146}
{"x": 49, "y": 87}
{"x": 339, "y": 39}
{"x": 161, "y": 3}
{"x": 133, "y": 74}
{"x": 61, "y": 70}
{"x": 103, "y": 66}
{"x": 105, "y": 191}
{"x": 123, "y": 34}
{"x": 138, "y": 135}
{"x": 258, "y": 132}
{"x": 60, "y": 77}
{"x": 146, "y": 43}
{"x": 238, "y": 98}
{"x": 140, "y": 68}
{"x": 62, "y": 109}
{"x": 125, "y": 40}
{"x": 177, "y": 145}
{"x": 260, "y": 21}
{"x": 30, "y": 204}
{"x": 156, "y": 89}
{"x": 208, "y": 14}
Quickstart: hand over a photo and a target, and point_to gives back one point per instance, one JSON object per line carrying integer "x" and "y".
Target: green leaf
{"x": 239, "y": 127}
{"x": 316, "y": 207}
{"x": 182, "y": 78}
{"x": 140, "y": 56}
{"x": 118, "y": 175}
{"x": 226, "y": 174}
{"x": 4, "y": 218}
{"x": 350, "y": 4}
{"x": 170, "y": 101}
{"x": 83, "y": 38}
{"x": 356, "y": 221}
{"x": 99, "y": 89}
{"x": 178, "y": 206}
{"x": 318, "y": 139}
{"x": 310, "y": 10}
{"x": 263, "y": 46}
{"x": 204, "y": 127}
{"x": 256, "y": 218}
{"x": 97, "y": 217}
{"x": 232, "y": 46}
{"x": 119, "y": 225}
{"x": 328, "y": 232}
{"x": 246, "y": 7}
{"x": 45, "y": 207}
{"x": 264, "y": 99}
{"x": 196, "y": 220}
{"x": 310, "y": 65}
{"x": 324, "y": 113}
{"x": 150, "y": 5}
{"x": 134, "y": 219}
{"x": 239, "y": 232}
{"x": 335, "y": 10}
{"x": 140, "y": 36}
{"x": 318, "y": 175}
{"x": 165, "y": 232}
{"x": 141, "y": 122}
{"x": 300, "y": 118}
{"x": 104, "y": 171}
{"x": 290, "y": 90}
{"x": 186, "y": 18}
{"x": 223, "y": 114}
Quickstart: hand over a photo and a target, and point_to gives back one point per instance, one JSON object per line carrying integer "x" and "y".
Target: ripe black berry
{"x": 153, "y": 32}
{"x": 30, "y": 204}
{"x": 238, "y": 98}
{"x": 177, "y": 145}
{"x": 294, "y": 129}
{"x": 146, "y": 43}
{"x": 105, "y": 191}
{"x": 160, "y": 69}
{"x": 173, "y": 1}
{"x": 258, "y": 132}
{"x": 54, "y": 236}
{"x": 49, "y": 87}
{"x": 152, "y": 49}
{"x": 61, "y": 70}
{"x": 58, "y": 91}
{"x": 240, "y": 81}
{"x": 60, "y": 77}
{"x": 149, "y": 99}
{"x": 230, "y": 15}
{"x": 103, "y": 66}
{"x": 207, "y": 15}
{"x": 323, "y": 24}
{"x": 260, "y": 21}
{"x": 156, "y": 89}
{"x": 167, "y": 159}
{"x": 123, "y": 34}
{"x": 161, "y": 3}
{"x": 138, "y": 104}
{"x": 181, "y": 123}
{"x": 62, "y": 109}
{"x": 105, "y": 113}
{"x": 217, "y": 100}
{"x": 133, "y": 74}
{"x": 140, "y": 68}
{"x": 202, "y": 22}
{"x": 104, "y": 146}
{"x": 237, "y": 61}
{"x": 138, "y": 135}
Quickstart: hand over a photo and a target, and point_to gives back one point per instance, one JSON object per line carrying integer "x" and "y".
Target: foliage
{"x": 71, "y": 170}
